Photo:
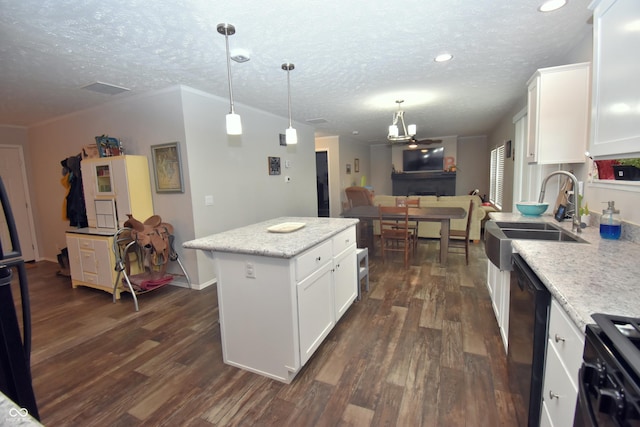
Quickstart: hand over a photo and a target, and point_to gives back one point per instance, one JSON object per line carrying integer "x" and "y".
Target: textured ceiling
{"x": 353, "y": 58}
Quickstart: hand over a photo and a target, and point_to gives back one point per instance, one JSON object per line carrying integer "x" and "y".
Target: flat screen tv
{"x": 423, "y": 159}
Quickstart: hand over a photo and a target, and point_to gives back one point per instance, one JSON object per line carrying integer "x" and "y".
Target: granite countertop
{"x": 601, "y": 276}
{"x": 255, "y": 239}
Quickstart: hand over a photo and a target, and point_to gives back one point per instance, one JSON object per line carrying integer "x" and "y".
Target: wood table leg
{"x": 444, "y": 240}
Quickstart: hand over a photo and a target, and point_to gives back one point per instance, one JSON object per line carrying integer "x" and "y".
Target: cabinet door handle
{"x": 318, "y": 259}
{"x": 552, "y": 395}
{"x": 558, "y": 338}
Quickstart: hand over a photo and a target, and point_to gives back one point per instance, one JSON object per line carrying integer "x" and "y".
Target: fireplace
{"x": 424, "y": 184}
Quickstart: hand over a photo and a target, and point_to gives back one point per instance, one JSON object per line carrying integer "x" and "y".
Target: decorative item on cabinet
{"x": 108, "y": 146}
{"x": 558, "y": 114}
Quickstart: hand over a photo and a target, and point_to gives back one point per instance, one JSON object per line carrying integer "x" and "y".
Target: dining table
{"x": 444, "y": 215}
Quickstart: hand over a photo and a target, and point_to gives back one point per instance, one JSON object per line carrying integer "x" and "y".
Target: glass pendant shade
{"x": 234, "y": 124}
{"x": 412, "y": 130}
{"x": 393, "y": 131}
{"x": 291, "y": 136}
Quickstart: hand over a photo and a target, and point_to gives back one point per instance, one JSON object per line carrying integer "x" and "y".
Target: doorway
{"x": 322, "y": 183}
{"x": 14, "y": 177}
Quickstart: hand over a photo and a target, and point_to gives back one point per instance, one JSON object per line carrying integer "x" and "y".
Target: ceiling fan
{"x": 413, "y": 142}
{"x": 427, "y": 141}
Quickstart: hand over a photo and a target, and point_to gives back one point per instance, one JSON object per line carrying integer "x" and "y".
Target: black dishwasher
{"x": 529, "y": 304}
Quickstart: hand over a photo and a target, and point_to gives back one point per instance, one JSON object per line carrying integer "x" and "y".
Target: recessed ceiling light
{"x": 443, "y": 57}
{"x": 551, "y": 5}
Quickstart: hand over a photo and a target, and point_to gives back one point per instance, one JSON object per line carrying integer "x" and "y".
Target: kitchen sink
{"x": 526, "y": 225}
{"x": 499, "y": 234}
{"x": 554, "y": 235}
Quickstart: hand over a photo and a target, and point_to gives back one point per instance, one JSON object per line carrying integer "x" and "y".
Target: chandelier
{"x": 399, "y": 131}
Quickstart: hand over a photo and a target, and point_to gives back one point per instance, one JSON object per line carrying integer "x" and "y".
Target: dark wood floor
{"x": 421, "y": 349}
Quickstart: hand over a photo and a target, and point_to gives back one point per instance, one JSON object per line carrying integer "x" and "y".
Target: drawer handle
{"x": 558, "y": 338}
{"x": 318, "y": 259}
{"x": 552, "y": 395}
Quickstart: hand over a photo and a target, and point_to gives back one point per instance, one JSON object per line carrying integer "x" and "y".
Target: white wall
{"x": 472, "y": 169}
{"x": 233, "y": 171}
{"x": 139, "y": 121}
{"x": 381, "y": 169}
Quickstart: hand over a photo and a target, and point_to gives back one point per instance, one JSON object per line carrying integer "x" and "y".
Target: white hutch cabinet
{"x": 124, "y": 180}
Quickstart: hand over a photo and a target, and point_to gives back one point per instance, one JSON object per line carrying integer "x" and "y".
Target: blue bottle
{"x": 610, "y": 223}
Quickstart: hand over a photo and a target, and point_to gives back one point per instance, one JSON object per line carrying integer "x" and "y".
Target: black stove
{"x": 609, "y": 380}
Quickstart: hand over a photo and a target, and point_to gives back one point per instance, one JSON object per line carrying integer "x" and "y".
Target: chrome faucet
{"x": 576, "y": 199}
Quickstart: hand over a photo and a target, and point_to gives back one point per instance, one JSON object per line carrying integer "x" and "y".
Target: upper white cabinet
{"x": 125, "y": 181}
{"x": 558, "y": 114}
{"x": 615, "y": 122}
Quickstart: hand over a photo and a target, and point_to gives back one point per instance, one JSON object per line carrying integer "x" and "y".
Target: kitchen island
{"x": 282, "y": 286}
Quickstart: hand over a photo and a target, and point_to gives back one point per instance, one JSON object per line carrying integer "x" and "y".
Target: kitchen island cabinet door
{"x": 345, "y": 281}
{"x": 315, "y": 310}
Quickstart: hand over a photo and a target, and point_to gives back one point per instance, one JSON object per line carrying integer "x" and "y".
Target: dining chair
{"x": 413, "y": 225}
{"x": 460, "y": 238}
{"x": 395, "y": 235}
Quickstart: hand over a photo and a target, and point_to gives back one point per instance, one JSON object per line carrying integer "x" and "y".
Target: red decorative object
{"x": 605, "y": 168}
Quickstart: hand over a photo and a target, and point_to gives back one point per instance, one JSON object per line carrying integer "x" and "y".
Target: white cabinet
{"x": 615, "y": 125}
{"x": 315, "y": 311}
{"x": 498, "y": 283}
{"x": 91, "y": 261}
{"x": 563, "y": 360}
{"x": 275, "y": 312}
{"x": 345, "y": 271}
{"x": 558, "y": 114}
{"x": 124, "y": 180}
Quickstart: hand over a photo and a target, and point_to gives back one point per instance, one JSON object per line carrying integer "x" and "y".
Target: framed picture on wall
{"x": 356, "y": 165}
{"x": 167, "y": 168}
{"x": 274, "y": 165}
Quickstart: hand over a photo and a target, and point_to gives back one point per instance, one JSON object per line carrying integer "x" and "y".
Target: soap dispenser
{"x": 610, "y": 223}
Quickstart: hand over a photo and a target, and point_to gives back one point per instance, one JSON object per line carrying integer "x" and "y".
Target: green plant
{"x": 630, "y": 162}
{"x": 584, "y": 209}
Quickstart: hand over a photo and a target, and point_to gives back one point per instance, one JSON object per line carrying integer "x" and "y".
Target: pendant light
{"x": 234, "y": 125}
{"x": 291, "y": 135}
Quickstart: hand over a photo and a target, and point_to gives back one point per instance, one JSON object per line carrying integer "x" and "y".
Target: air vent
{"x": 318, "y": 121}
{"x": 105, "y": 88}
